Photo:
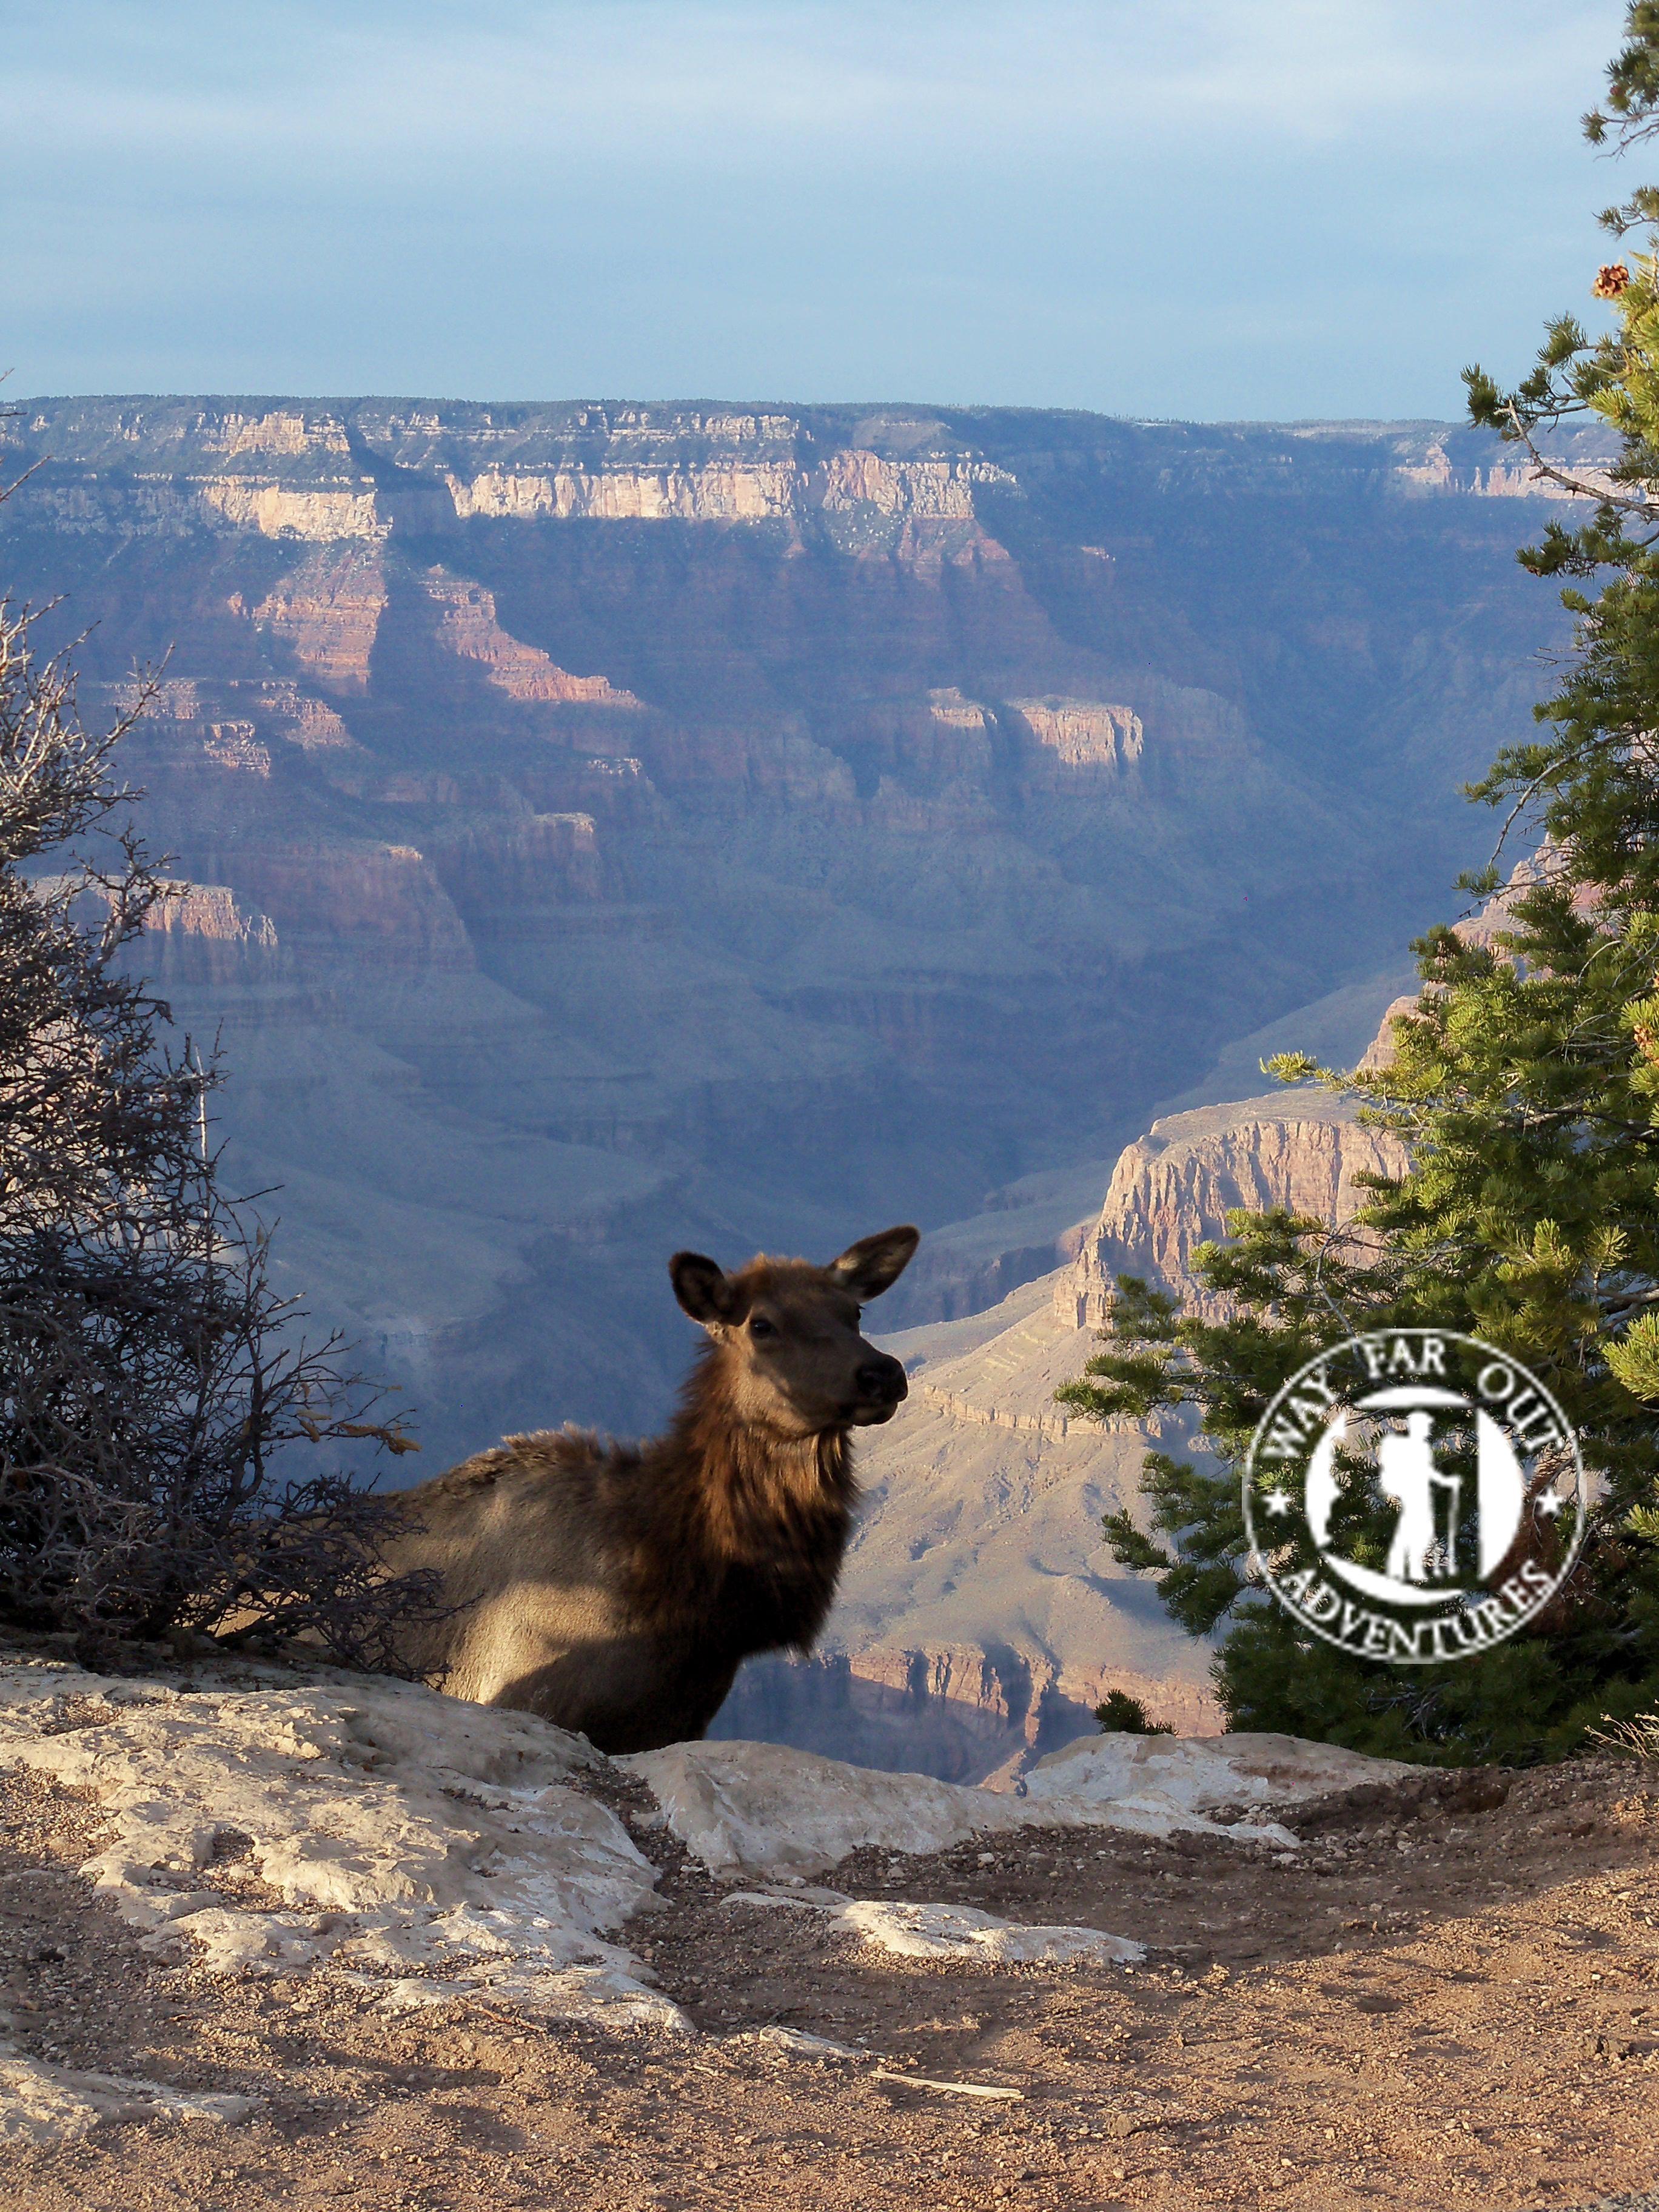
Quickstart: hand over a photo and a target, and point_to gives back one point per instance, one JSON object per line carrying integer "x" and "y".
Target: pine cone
{"x": 1612, "y": 280}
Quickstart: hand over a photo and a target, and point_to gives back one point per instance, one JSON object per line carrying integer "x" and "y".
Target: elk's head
{"x": 787, "y": 1343}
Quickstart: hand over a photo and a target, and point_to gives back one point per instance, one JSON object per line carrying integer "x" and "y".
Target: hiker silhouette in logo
{"x": 1410, "y": 1480}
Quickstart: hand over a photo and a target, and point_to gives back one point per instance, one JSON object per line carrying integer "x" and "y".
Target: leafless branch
{"x": 156, "y": 1399}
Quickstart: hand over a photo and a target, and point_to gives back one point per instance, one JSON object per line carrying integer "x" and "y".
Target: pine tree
{"x": 153, "y": 1393}
{"x": 1525, "y": 1087}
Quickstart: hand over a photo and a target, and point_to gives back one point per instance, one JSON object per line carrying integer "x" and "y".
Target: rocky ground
{"x": 1447, "y": 1996}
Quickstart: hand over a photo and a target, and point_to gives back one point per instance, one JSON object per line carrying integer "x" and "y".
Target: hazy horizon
{"x": 784, "y": 402}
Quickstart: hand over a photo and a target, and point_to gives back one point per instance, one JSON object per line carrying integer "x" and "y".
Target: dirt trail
{"x": 1427, "y": 2006}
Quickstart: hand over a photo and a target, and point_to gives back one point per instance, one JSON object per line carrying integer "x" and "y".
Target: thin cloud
{"x": 1298, "y": 198}
{"x": 619, "y": 73}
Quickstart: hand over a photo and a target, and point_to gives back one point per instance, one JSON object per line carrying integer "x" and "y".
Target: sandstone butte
{"x": 616, "y": 828}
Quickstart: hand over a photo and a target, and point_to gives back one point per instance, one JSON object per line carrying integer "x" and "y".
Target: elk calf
{"x": 614, "y": 1589}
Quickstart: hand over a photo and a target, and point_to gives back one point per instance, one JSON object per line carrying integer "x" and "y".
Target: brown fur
{"x": 616, "y": 1589}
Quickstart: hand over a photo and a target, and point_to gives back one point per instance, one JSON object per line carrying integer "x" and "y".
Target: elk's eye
{"x": 759, "y": 1326}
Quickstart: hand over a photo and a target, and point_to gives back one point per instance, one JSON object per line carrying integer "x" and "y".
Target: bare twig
{"x": 159, "y": 1414}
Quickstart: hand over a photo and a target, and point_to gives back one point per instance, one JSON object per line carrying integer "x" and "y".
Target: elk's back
{"x": 537, "y": 1589}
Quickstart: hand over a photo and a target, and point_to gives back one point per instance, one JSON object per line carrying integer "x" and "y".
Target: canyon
{"x": 614, "y": 827}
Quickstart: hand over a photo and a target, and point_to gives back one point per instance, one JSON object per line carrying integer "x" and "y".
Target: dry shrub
{"x": 160, "y": 1419}
{"x": 1637, "y": 1738}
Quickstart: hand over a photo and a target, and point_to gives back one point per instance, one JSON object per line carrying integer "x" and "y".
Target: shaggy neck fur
{"x": 745, "y": 1515}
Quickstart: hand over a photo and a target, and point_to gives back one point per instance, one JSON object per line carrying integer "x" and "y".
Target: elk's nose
{"x": 882, "y": 1377}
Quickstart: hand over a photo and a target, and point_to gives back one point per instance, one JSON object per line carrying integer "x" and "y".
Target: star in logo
{"x": 1550, "y": 1503}
{"x": 1279, "y": 1502}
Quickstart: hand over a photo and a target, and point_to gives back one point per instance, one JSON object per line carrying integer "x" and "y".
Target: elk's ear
{"x": 702, "y": 1287}
{"x": 875, "y": 1263}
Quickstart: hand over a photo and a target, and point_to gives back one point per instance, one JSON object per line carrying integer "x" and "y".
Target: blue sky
{"x": 1193, "y": 208}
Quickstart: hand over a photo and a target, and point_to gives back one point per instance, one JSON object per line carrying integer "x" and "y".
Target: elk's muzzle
{"x": 882, "y": 1387}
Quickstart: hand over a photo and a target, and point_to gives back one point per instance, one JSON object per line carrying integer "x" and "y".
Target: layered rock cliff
{"x": 1173, "y": 1190}
{"x": 328, "y": 470}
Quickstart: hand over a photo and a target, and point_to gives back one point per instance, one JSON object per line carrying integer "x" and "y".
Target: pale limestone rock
{"x": 1082, "y": 734}
{"x": 1197, "y": 1773}
{"x": 794, "y": 2042}
{"x": 761, "y": 1808}
{"x": 424, "y": 1849}
{"x": 953, "y": 1933}
{"x": 286, "y": 434}
{"x": 725, "y": 491}
{"x": 42, "y": 2104}
{"x": 933, "y": 491}
{"x": 728, "y": 488}
{"x": 405, "y": 1833}
{"x": 278, "y": 510}
{"x": 961, "y": 1932}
